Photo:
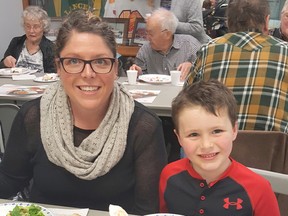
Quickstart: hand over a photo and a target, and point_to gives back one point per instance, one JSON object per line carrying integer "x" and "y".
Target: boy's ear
{"x": 235, "y": 130}
{"x": 175, "y": 131}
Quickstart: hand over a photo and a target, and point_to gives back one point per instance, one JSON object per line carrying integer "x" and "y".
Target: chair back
{"x": 266, "y": 151}
{"x": 8, "y": 112}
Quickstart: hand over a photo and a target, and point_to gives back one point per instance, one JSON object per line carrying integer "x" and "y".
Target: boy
{"x": 208, "y": 181}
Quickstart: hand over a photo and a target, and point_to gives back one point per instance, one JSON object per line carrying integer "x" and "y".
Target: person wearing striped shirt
{"x": 253, "y": 64}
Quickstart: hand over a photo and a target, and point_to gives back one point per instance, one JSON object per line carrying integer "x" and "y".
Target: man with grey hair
{"x": 166, "y": 50}
{"x": 282, "y": 31}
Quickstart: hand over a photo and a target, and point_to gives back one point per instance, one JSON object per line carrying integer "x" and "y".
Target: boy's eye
{"x": 217, "y": 131}
{"x": 193, "y": 134}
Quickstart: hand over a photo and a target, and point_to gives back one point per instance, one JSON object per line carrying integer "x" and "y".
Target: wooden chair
{"x": 266, "y": 153}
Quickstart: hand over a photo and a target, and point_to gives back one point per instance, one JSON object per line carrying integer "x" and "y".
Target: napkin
{"x": 23, "y": 77}
{"x": 115, "y": 210}
{"x": 68, "y": 212}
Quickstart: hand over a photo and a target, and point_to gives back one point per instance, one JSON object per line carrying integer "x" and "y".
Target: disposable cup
{"x": 175, "y": 77}
{"x": 132, "y": 76}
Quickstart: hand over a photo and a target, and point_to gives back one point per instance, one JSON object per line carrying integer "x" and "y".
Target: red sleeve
{"x": 169, "y": 170}
{"x": 259, "y": 190}
{"x": 267, "y": 204}
{"x": 162, "y": 188}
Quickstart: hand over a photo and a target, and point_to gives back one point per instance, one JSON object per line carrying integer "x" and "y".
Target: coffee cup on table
{"x": 175, "y": 77}
{"x": 132, "y": 76}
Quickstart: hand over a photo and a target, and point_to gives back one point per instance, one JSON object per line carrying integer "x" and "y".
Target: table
{"x": 90, "y": 213}
{"x": 161, "y": 105}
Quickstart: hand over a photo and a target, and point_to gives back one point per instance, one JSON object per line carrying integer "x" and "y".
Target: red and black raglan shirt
{"x": 239, "y": 191}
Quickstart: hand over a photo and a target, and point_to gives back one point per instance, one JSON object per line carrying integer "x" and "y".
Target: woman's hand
{"x": 9, "y": 61}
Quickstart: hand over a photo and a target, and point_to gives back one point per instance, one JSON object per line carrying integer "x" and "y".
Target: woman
{"x": 282, "y": 32}
{"x": 32, "y": 50}
{"x": 86, "y": 143}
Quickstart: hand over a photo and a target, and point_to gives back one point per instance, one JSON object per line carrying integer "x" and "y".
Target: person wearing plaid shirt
{"x": 252, "y": 64}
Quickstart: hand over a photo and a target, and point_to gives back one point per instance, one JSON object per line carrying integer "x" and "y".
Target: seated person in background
{"x": 86, "y": 142}
{"x": 165, "y": 51}
{"x": 32, "y": 50}
{"x": 208, "y": 4}
{"x": 189, "y": 14}
{"x": 282, "y": 32}
{"x": 209, "y": 181}
{"x": 250, "y": 63}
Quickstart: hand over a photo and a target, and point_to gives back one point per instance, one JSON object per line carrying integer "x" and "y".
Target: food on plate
{"x": 28, "y": 90}
{"x": 16, "y": 70}
{"x": 155, "y": 78}
{"x": 31, "y": 210}
{"x": 48, "y": 77}
{"x": 142, "y": 93}
{"x": 20, "y": 92}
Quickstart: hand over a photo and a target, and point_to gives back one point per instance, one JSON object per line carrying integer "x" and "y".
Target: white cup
{"x": 175, "y": 77}
{"x": 132, "y": 76}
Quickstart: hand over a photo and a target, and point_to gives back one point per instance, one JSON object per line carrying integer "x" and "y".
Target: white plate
{"x": 12, "y": 71}
{"x": 6, "y": 207}
{"x": 27, "y": 91}
{"x": 155, "y": 78}
{"x": 51, "y": 77}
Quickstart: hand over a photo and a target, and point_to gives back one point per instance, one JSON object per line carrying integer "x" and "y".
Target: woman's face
{"x": 87, "y": 90}
{"x": 34, "y": 30}
{"x": 284, "y": 24}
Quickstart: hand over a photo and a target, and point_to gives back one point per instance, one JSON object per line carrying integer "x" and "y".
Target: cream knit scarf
{"x": 101, "y": 150}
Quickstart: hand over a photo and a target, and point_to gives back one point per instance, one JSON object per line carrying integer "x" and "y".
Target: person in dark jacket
{"x": 32, "y": 50}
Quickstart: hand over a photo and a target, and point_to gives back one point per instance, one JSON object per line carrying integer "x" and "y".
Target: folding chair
{"x": 266, "y": 153}
{"x": 278, "y": 181}
{"x": 8, "y": 112}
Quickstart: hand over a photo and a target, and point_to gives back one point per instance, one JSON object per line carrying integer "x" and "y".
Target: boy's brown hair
{"x": 211, "y": 95}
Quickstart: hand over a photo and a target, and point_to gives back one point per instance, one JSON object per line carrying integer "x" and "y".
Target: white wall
{"x": 10, "y": 22}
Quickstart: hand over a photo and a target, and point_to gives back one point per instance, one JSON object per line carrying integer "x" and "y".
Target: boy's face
{"x": 206, "y": 139}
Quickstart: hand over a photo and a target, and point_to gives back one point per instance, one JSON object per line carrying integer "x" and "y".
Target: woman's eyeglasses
{"x": 29, "y": 27}
{"x": 76, "y": 65}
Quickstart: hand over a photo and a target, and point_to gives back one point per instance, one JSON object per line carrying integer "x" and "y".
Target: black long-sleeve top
{"x": 132, "y": 183}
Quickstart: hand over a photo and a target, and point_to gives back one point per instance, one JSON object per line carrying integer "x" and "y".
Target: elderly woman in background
{"x": 86, "y": 142}
{"x": 282, "y": 32}
{"x": 32, "y": 50}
